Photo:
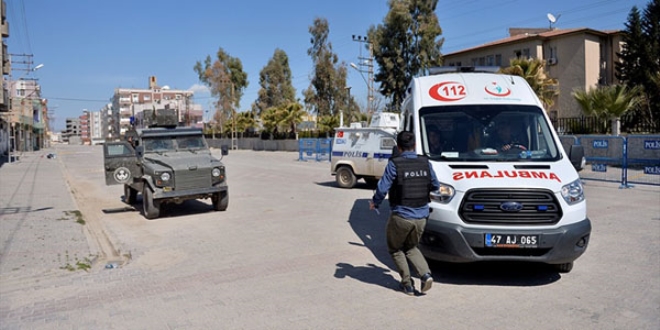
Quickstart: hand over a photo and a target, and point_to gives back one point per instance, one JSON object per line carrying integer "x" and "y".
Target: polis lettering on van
{"x": 355, "y": 154}
{"x": 448, "y": 91}
{"x": 457, "y": 176}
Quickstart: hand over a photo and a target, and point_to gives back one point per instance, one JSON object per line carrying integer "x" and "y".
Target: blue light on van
{"x": 542, "y": 208}
{"x": 478, "y": 207}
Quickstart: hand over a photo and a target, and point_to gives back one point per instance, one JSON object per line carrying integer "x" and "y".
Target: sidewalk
{"x": 40, "y": 231}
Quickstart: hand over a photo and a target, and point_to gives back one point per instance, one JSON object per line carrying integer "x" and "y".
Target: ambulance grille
{"x": 510, "y": 207}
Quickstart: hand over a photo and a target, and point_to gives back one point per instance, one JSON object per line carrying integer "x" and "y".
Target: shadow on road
{"x": 168, "y": 210}
{"x": 501, "y": 273}
{"x": 358, "y": 185}
{"x": 370, "y": 229}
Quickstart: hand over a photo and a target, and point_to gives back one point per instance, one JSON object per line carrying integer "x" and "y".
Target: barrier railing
{"x": 315, "y": 149}
{"x": 631, "y": 159}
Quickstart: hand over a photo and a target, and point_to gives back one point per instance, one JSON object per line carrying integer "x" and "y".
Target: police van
{"x": 361, "y": 151}
{"x": 509, "y": 190}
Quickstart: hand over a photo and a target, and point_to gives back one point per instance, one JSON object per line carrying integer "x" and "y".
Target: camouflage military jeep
{"x": 166, "y": 165}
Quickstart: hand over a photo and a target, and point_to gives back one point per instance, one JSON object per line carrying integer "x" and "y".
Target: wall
{"x": 256, "y": 144}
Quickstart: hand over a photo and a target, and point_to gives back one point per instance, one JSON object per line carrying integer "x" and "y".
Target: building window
{"x": 458, "y": 63}
{"x": 552, "y": 52}
{"x": 525, "y": 53}
{"x": 482, "y": 61}
{"x": 498, "y": 59}
{"x": 490, "y": 60}
{"x": 475, "y": 61}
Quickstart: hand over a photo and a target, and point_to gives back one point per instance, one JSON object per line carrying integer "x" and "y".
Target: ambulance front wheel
{"x": 345, "y": 177}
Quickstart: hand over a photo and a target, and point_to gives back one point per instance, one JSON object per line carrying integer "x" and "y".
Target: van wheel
{"x": 220, "y": 201}
{"x": 345, "y": 177}
{"x": 130, "y": 195}
{"x": 564, "y": 268}
{"x": 150, "y": 207}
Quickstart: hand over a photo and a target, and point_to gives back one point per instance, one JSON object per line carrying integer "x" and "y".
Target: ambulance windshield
{"x": 487, "y": 133}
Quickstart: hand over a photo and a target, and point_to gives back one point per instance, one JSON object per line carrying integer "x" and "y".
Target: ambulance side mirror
{"x": 576, "y": 155}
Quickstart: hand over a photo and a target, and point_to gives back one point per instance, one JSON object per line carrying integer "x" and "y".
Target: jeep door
{"x": 120, "y": 163}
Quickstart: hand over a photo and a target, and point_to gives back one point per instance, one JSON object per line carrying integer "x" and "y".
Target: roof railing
{"x": 455, "y": 69}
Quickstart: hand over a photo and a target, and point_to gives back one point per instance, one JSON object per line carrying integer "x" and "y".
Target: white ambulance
{"x": 362, "y": 152}
{"x": 509, "y": 190}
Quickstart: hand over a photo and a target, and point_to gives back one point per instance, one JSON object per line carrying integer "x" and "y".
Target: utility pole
{"x": 234, "y": 142}
{"x": 366, "y": 64}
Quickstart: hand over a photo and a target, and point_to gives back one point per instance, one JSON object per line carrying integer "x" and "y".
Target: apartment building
{"x": 578, "y": 58}
{"x": 128, "y": 104}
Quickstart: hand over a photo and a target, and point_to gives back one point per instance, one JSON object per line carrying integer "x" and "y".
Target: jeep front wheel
{"x": 150, "y": 207}
{"x": 345, "y": 177}
{"x": 220, "y": 200}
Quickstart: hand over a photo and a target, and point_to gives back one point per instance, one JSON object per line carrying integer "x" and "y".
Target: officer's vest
{"x": 413, "y": 182}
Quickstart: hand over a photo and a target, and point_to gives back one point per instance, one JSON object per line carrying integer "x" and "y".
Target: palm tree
{"x": 608, "y": 103}
{"x": 327, "y": 123}
{"x": 531, "y": 69}
{"x": 291, "y": 114}
{"x": 245, "y": 121}
{"x": 270, "y": 120}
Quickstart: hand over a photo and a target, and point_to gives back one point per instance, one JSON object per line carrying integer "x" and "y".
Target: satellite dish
{"x": 553, "y": 19}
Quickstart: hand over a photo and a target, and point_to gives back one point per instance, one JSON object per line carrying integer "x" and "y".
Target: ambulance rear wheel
{"x": 345, "y": 177}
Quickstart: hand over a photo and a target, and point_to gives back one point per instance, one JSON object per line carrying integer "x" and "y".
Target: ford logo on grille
{"x": 511, "y": 206}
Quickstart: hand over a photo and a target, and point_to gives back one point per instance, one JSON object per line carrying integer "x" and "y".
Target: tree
{"x": 608, "y": 103}
{"x": 270, "y": 120}
{"x": 275, "y": 81}
{"x": 326, "y": 93}
{"x": 245, "y": 121}
{"x": 531, "y": 69}
{"x": 291, "y": 115}
{"x": 226, "y": 80}
{"x": 406, "y": 44}
{"x": 328, "y": 123}
{"x": 639, "y": 62}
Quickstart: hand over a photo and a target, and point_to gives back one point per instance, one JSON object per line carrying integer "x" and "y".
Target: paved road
{"x": 291, "y": 252}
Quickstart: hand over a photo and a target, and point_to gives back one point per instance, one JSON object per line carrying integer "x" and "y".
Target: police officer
{"x": 408, "y": 179}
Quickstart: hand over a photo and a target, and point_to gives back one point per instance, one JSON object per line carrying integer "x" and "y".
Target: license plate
{"x": 511, "y": 241}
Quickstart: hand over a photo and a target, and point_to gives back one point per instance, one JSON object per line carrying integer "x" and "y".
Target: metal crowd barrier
{"x": 314, "y": 149}
{"x": 631, "y": 159}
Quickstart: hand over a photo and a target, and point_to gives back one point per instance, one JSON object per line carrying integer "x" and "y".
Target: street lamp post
{"x": 348, "y": 107}
{"x": 370, "y": 89}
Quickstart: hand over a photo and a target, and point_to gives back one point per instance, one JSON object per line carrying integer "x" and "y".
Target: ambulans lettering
{"x": 505, "y": 174}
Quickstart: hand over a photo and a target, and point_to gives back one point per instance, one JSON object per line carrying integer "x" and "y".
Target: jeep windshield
{"x": 474, "y": 133}
{"x": 160, "y": 144}
{"x": 191, "y": 143}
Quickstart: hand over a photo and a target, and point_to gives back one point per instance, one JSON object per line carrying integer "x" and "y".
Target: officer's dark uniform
{"x": 408, "y": 179}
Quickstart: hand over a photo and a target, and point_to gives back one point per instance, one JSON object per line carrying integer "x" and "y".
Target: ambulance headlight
{"x": 444, "y": 194}
{"x": 573, "y": 192}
